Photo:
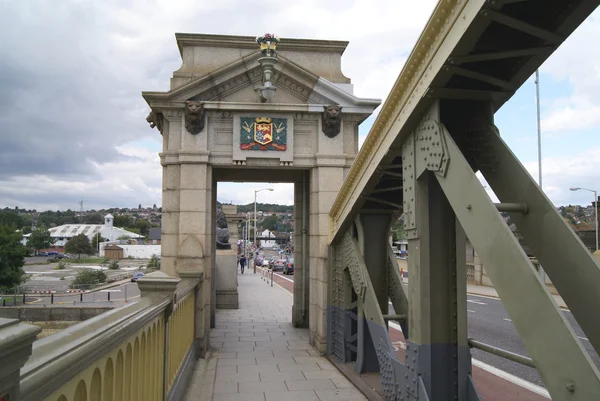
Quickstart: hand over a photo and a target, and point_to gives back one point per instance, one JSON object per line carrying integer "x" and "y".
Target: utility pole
{"x": 539, "y": 131}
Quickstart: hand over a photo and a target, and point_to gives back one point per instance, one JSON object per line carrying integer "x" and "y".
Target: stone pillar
{"x": 301, "y": 270}
{"x": 325, "y": 183}
{"x": 227, "y": 296}
{"x": 15, "y": 347}
{"x": 186, "y": 240}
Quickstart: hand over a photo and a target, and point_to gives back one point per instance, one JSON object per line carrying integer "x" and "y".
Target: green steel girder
{"x": 361, "y": 281}
{"x": 396, "y": 291}
{"x": 563, "y": 364}
{"x": 570, "y": 266}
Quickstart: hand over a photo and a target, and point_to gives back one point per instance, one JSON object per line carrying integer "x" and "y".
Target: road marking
{"x": 288, "y": 279}
{"x": 583, "y": 338}
{"x": 476, "y": 302}
{"x": 469, "y": 310}
{"x": 508, "y": 320}
{"x": 534, "y": 388}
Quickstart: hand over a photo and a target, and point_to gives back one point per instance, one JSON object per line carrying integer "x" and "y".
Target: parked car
{"x": 278, "y": 264}
{"x": 289, "y": 267}
{"x": 137, "y": 276}
{"x": 60, "y": 256}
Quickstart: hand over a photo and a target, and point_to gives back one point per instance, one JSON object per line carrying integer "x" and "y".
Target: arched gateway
{"x": 253, "y": 109}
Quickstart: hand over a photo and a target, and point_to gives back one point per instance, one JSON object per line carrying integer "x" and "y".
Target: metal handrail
{"x": 511, "y": 356}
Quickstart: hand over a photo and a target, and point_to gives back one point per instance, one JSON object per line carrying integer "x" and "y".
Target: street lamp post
{"x": 255, "y": 192}
{"x": 595, "y": 204}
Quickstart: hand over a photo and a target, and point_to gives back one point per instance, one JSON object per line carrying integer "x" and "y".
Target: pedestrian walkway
{"x": 258, "y": 355}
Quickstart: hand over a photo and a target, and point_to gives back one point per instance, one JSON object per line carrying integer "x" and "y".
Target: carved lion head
{"x": 332, "y": 118}
{"x": 194, "y": 116}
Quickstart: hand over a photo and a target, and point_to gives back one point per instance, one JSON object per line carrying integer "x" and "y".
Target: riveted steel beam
{"x": 563, "y": 363}
{"x": 499, "y": 55}
{"x": 514, "y": 23}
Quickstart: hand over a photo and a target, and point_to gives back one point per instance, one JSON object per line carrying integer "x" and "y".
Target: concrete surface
{"x": 260, "y": 356}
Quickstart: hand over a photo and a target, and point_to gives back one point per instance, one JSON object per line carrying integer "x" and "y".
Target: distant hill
{"x": 264, "y": 207}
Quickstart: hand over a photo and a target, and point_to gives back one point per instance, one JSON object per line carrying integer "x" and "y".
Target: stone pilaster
{"x": 325, "y": 183}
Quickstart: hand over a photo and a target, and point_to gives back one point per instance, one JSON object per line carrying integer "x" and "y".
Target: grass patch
{"x": 87, "y": 260}
{"x": 9, "y": 300}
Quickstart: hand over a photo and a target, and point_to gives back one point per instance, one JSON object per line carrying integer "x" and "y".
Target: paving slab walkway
{"x": 258, "y": 355}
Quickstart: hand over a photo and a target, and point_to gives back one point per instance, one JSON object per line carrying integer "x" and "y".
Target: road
{"x": 489, "y": 323}
{"x": 126, "y": 292}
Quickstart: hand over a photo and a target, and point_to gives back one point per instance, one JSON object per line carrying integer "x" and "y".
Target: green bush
{"x": 154, "y": 262}
{"x": 113, "y": 265}
{"x": 61, "y": 265}
{"x": 106, "y": 260}
{"x": 88, "y": 278}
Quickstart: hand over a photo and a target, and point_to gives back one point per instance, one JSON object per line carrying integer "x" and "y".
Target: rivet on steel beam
{"x": 469, "y": 207}
{"x": 571, "y": 387}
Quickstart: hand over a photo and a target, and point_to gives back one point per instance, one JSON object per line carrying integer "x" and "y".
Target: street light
{"x": 595, "y": 203}
{"x": 255, "y": 192}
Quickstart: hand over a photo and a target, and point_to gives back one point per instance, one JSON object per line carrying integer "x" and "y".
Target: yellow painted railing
{"x": 181, "y": 336}
{"x": 138, "y": 352}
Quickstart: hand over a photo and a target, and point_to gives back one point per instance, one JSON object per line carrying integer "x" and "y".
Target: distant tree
{"x": 26, "y": 229}
{"x": 143, "y": 226}
{"x": 97, "y": 238}
{"x": 133, "y": 230}
{"x": 88, "y": 278}
{"x": 124, "y": 236}
{"x": 40, "y": 239}
{"x": 270, "y": 223}
{"x": 398, "y": 231}
{"x": 79, "y": 244}
{"x": 9, "y": 217}
{"x": 123, "y": 220}
{"x": 12, "y": 256}
{"x": 94, "y": 218}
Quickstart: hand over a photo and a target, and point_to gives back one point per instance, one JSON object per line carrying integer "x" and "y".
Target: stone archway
{"x": 238, "y": 109}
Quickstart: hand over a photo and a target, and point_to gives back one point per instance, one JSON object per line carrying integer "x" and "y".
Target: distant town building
{"x": 61, "y": 234}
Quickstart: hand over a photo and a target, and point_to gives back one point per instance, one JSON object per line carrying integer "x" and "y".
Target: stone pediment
{"x": 236, "y": 82}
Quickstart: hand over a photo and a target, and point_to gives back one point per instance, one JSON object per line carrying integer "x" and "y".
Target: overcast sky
{"x": 72, "y": 119}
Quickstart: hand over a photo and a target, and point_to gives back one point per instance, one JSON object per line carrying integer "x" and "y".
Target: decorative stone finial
{"x": 268, "y": 44}
{"x": 332, "y": 120}
{"x": 194, "y": 116}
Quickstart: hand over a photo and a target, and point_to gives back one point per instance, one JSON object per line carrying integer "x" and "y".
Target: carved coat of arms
{"x": 263, "y": 133}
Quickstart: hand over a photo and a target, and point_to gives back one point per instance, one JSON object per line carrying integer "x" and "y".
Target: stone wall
{"x": 52, "y": 314}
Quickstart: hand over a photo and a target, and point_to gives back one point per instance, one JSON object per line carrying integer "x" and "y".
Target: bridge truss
{"x": 434, "y": 132}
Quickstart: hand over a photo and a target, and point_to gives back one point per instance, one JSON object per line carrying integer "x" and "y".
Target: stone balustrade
{"x": 141, "y": 351}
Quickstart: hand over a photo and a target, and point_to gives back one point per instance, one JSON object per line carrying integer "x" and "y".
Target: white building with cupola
{"x": 108, "y": 232}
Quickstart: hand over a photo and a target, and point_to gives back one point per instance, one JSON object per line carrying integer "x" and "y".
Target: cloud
{"x": 575, "y": 64}
{"x": 72, "y": 119}
{"x": 72, "y": 74}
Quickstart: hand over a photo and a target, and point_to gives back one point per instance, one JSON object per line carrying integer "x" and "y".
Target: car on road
{"x": 278, "y": 264}
{"x": 137, "y": 276}
{"x": 289, "y": 267}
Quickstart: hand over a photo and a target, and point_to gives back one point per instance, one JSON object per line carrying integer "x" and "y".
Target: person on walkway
{"x": 242, "y": 263}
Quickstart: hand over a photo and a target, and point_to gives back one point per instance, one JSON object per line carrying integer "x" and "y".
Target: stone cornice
{"x": 289, "y": 76}
{"x": 413, "y": 79}
{"x": 249, "y": 42}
